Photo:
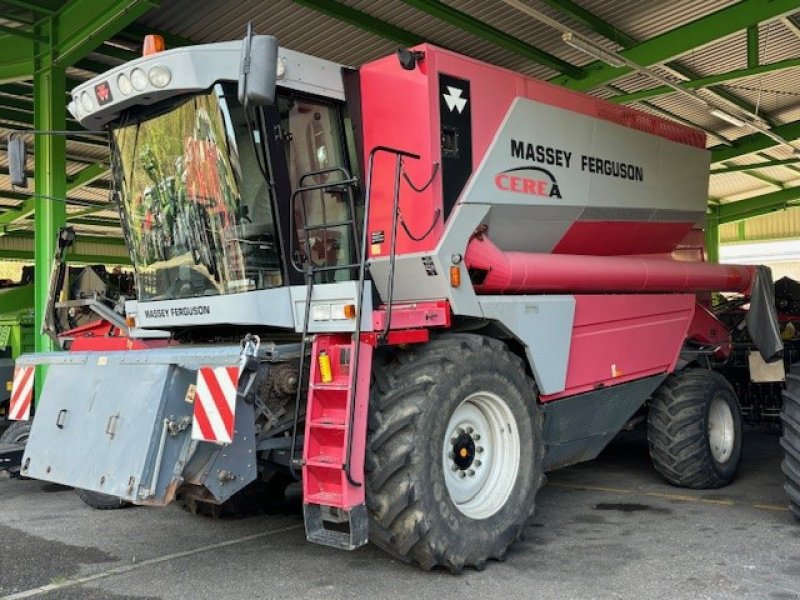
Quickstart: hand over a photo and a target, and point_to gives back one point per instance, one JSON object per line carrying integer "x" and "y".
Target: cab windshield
{"x": 194, "y": 201}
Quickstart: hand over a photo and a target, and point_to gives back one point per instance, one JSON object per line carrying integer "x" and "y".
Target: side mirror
{"x": 17, "y": 154}
{"x": 258, "y": 70}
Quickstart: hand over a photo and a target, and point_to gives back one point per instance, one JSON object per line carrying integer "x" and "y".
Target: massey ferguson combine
{"x": 416, "y": 286}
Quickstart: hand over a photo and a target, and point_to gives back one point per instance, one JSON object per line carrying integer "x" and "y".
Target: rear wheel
{"x": 694, "y": 430}
{"x": 790, "y": 416}
{"x": 101, "y": 501}
{"x": 16, "y": 433}
{"x": 454, "y": 453}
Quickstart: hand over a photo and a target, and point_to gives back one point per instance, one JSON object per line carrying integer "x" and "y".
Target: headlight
{"x": 86, "y": 102}
{"x": 320, "y": 312}
{"x": 333, "y": 312}
{"x": 159, "y": 76}
{"x": 124, "y": 84}
{"x": 138, "y": 79}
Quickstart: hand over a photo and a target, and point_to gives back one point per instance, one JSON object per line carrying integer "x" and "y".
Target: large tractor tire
{"x": 454, "y": 453}
{"x": 790, "y": 416}
{"x": 101, "y": 501}
{"x": 16, "y": 433}
{"x": 694, "y": 430}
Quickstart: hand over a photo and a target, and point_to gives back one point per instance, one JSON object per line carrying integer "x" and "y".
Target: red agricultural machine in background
{"x": 416, "y": 286}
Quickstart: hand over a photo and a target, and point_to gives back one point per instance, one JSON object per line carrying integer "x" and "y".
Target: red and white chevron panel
{"x": 21, "y": 394}
{"x": 215, "y": 404}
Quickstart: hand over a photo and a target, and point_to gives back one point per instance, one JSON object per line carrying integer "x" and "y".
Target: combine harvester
{"x": 417, "y": 286}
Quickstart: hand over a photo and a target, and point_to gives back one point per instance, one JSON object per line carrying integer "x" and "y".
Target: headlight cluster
{"x": 332, "y": 312}
{"x": 136, "y": 80}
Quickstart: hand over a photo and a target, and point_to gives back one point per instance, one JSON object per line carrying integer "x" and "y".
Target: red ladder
{"x": 335, "y": 431}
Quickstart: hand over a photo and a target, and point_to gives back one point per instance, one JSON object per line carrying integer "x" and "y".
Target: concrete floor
{"x": 606, "y": 529}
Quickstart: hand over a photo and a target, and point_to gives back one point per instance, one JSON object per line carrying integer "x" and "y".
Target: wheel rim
{"x": 481, "y": 455}
{"x": 721, "y": 431}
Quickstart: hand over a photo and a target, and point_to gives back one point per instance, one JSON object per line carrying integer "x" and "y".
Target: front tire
{"x": 694, "y": 430}
{"x": 454, "y": 453}
{"x": 790, "y": 441}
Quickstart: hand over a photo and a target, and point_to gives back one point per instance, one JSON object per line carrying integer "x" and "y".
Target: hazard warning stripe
{"x": 21, "y": 394}
{"x": 215, "y": 404}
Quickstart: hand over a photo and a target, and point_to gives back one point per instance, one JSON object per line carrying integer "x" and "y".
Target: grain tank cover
{"x": 560, "y": 171}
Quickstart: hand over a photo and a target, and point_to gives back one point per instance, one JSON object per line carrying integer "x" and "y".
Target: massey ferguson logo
{"x": 532, "y": 181}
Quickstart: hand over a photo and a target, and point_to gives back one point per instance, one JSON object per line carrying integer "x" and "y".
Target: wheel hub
{"x": 481, "y": 455}
{"x": 464, "y": 451}
{"x": 721, "y": 430}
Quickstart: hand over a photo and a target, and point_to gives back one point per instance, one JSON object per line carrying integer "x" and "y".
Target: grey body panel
{"x": 261, "y": 308}
{"x": 544, "y": 325}
{"x": 578, "y": 428}
{"x": 197, "y": 68}
{"x": 119, "y": 423}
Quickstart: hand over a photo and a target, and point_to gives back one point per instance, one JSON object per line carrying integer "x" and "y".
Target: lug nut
{"x": 462, "y": 474}
{"x": 478, "y": 463}
{"x": 453, "y": 468}
{"x": 451, "y": 455}
{"x": 460, "y": 431}
{"x": 476, "y": 437}
{"x": 471, "y": 472}
{"x": 470, "y": 430}
{"x": 479, "y": 449}
{"x": 453, "y": 441}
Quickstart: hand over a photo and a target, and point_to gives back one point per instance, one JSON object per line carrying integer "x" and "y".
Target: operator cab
{"x": 218, "y": 199}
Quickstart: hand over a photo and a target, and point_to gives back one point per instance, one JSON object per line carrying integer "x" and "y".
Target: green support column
{"x": 50, "y": 177}
{"x": 712, "y": 235}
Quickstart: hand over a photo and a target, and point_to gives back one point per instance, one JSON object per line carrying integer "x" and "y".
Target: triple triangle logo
{"x": 454, "y": 100}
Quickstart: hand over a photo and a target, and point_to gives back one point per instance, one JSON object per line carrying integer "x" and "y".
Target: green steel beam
{"x": 755, "y": 142}
{"x": 491, "y": 34}
{"x": 49, "y": 83}
{"x": 18, "y": 214}
{"x": 680, "y": 40}
{"x": 23, "y": 33}
{"x": 31, "y": 6}
{"x": 752, "y": 47}
{"x": 711, "y": 80}
{"x": 358, "y": 19}
{"x": 80, "y": 237}
{"x": 609, "y": 31}
{"x": 86, "y": 259}
{"x": 760, "y": 205}
{"x": 712, "y": 235}
{"x": 16, "y": 58}
{"x": 767, "y": 164}
{"x": 594, "y": 22}
{"x": 82, "y": 25}
{"x": 761, "y": 177}
{"x": 86, "y": 176}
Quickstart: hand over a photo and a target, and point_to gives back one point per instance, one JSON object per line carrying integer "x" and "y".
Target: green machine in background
{"x": 16, "y": 337}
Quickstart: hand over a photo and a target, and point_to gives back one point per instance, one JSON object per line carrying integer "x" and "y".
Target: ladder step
{"x": 325, "y": 499}
{"x": 354, "y": 537}
{"x": 330, "y": 386}
{"x": 328, "y": 423}
{"x": 325, "y": 461}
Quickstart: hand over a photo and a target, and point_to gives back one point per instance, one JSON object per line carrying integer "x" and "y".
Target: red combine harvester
{"x": 417, "y": 286}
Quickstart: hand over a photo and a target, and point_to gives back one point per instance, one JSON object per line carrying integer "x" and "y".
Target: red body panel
{"x": 616, "y": 339}
{"x": 401, "y": 109}
{"x": 525, "y": 272}
{"x": 102, "y": 336}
